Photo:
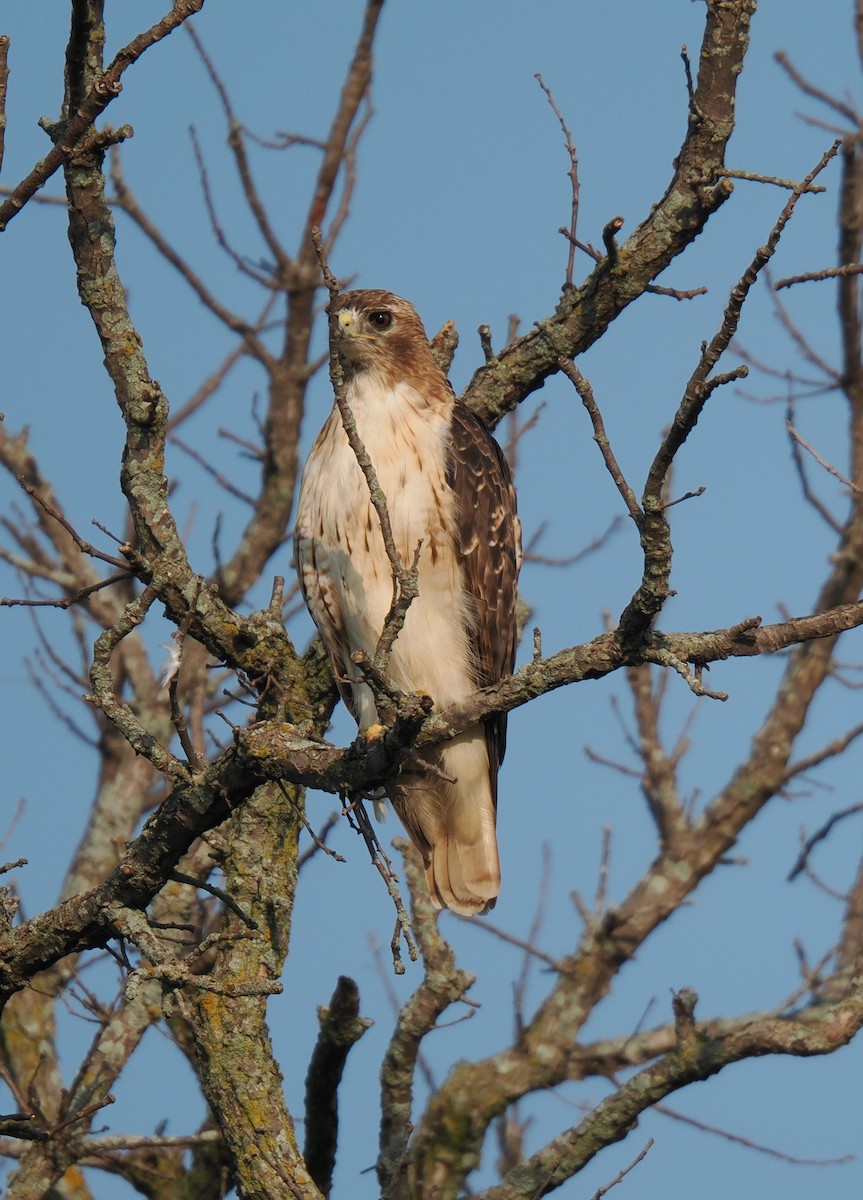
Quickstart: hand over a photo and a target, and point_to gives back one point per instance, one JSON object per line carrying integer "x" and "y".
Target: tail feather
{"x": 453, "y": 825}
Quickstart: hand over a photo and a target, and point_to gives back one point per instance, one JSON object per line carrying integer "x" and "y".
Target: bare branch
{"x": 341, "y": 1026}
{"x": 789, "y": 184}
{"x": 106, "y": 87}
{"x": 622, "y": 1174}
{"x": 4, "y": 83}
{"x": 584, "y": 313}
{"x": 828, "y": 467}
{"x": 571, "y": 232}
{"x": 654, "y": 589}
{"x": 601, "y": 438}
{"x": 838, "y": 106}
{"x": 826, "y": 273}
{"x": 241, "y": 160}
{"x": 443, "y": 984}
{"x": 748, "y": 1142}
{"x": 819, "y": 836}
{"x": 405, "y": 579}
{"x": 125, "y": 200}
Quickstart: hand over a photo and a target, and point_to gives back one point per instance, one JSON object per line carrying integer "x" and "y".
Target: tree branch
{"x": 694, "y": 193}
{"x": 69, "y": 135}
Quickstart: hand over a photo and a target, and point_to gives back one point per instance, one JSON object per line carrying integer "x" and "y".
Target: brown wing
{"x": 489, "y": 545}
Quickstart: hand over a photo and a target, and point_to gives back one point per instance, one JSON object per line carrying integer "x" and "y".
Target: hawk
{"x": 447, "y": 484}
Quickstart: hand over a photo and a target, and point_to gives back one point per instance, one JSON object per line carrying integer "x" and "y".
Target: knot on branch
{"x": 108, "y": 87}
{"x": 341, "y": 1026}
{"x": 683, "y": 1007}
{"x": 340, "y": 1020}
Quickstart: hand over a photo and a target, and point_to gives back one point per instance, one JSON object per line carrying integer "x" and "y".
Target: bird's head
{"x": 380, "y": 333}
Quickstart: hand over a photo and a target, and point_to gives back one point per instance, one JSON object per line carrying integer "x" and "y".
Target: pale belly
{"x": 339, "y": 530}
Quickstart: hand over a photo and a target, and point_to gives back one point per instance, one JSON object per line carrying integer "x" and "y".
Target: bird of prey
{"x": 447, "y": 485}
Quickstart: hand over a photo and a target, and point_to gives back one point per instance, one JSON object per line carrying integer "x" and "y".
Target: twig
{"x": 601, "y": 761}
{"x": 253, "y": 449}
{"x": 18, "y": 1125}
{"x": 354, "y": 92}
{"x": 659, "y": 783}
{"x": 602, "y": 875}
{"x": 585, "y": 392}
{"x": 105, "y": 696}
{"x": 826, "y": 273}
{"x": 819, "y": 836}
{"x": 519, "y": 943}
{"x": 799, "y": 465}
{"x": 570, "y": 233}
{"x": 405, "y": 579}
{"x": 569, "y": 560}
{"x": 485, "y": 343}
{"x": 221, "y": 480}
{"x": 807, "y": 350}
{"x": 349, "y": 173}
{"x": 124, "y": 199}
{"x": 597, "y": 1195}
{"x": 789, "y": 184}
{"x": 443, "y": 984}
{"x": 516, "y": 429}
{"x": 241, "y": 160}
{"x": 687, "y": 69}
{"x": 828, "y": 467}
{"x": 700, "y": 386}
{"x": 38, "y": 682}
{"x": 212, "y": 890}
{"x": 831, "y": 750}
{"x": 122, "y": 1141}
{"x": 751, "y": 1145}
{"x": 214, "y": 381}
{"x": 676, "y": 293}
{"x": 319, "y": 843}
{"x": 654, "y": 589}
{"x": 533, "y": 933}
{"x": 55, "y": 515}
{"x": 844, "y": 110}
{"x": 699, "y": 491}
{"x": 664, "y": 658}
{"x": 64, "y": 602}
{"x": 84, "y": 1113}
{"x": 358, "y": 819}
{"x": 4, "y": 83}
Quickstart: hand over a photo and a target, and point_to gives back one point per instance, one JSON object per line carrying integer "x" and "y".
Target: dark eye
{"x": 381, "y": 319}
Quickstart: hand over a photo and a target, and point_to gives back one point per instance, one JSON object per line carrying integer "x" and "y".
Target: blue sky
{"x": 461, "y": 189}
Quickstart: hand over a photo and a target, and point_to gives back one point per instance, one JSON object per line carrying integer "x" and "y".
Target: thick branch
{"x": 341, "y": 1026}
{"x": 444, "y": 982}
{"x": 819, "y": 1029}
